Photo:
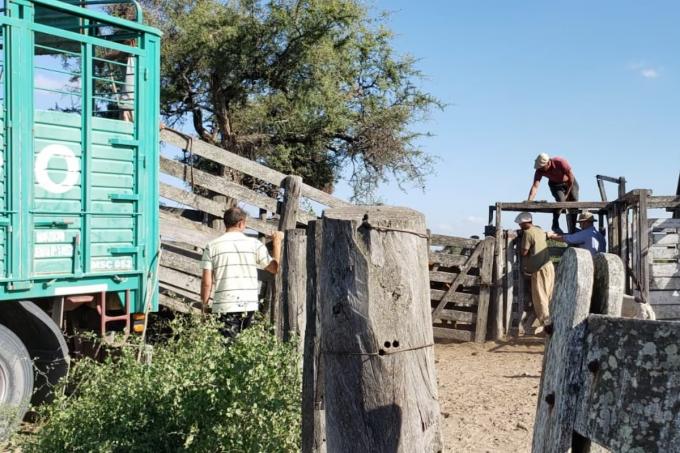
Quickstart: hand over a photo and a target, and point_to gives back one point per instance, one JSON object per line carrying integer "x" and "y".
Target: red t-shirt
{"x": 557, "y": 171}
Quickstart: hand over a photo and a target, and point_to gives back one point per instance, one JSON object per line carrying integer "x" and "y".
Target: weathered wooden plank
{"x": 486, "y": 276}
{"x": 664, "y": 201}
{"x": 453, "y": 334}
{"x": 553, "y": 426}
{"x": 544, "y": 206}
{"x": 246, "y": 166}
{"x": 496, "y": 303}
{"x": 631, "y": 391}
{"x": 222, "y": 156}
{"x": 462, "y": 299}
{"x": 181, "y": 263}
{"x": 665, "y": 270}
{"x": 671, "y": 297}
{"x": 216, "y": 184}
{"x": 508, "y": 283}
{"x": 665, "y": 239}
{"x": 176, "y": 228}
{"x": 643, "y": 233}
{"x": 447, "y": 259}
{"x": 448, "y": 277}
{"x": 456, "y": 315}
{"x": 665, "y": 283}
{"x": 664, "y": 253}
{"x": 667, "y": 312}
{"x": 165, "y": 286}
{"x": 313, "y": 410}
{"x": 442, "y": 240}
{"x": 659, "y": 225}
{"x": 177, "y": 305}
{"x": 380, "y": 379}
{"x": 180, "y": 279}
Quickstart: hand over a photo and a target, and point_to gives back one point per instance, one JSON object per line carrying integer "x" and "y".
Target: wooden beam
{"x": 453, "y": 334}
{"x": 442, "y": 240}
{"x": 545, "y": 206}
{"x": 447, "y": 259}
{"x": 449, "y": 277}
{"x": 457, "y": 315}
{"x": 461, "y": 299}
{"x": 486, "y": 277}
{"x": 176, "y": 228}
{"x": 216, "y": 184}
{"x": 177, "y": 305}
{"x": 247, "y": 166}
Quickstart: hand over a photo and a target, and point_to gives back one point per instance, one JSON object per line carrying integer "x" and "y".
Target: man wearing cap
{"x": 536, "y": 262}
{"x": 562, "y": 183}
{"x": 587, "y": 238}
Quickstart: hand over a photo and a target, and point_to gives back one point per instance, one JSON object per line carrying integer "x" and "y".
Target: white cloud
{"x": 645, "y": 70}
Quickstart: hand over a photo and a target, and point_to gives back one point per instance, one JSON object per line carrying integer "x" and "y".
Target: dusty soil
{"x": 488, "y": 393}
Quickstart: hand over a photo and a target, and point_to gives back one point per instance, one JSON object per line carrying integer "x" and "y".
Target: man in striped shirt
{"x": 230, "y": 265}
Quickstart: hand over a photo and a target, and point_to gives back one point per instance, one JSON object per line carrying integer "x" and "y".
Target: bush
{"x": 201, "y": 393}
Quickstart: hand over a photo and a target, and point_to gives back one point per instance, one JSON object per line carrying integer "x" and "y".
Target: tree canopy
{"x": 308, "y": 87}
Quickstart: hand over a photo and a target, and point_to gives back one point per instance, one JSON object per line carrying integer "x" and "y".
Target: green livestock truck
{"x": 79, "y": 143}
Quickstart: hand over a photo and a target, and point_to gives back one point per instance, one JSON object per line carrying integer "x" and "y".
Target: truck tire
{"x": 16, "y": 381}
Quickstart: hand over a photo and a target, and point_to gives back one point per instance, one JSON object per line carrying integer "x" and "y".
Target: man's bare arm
{"x": 534, "y": 189}
{"x": 274, "y": 265}
{"x": 206, "y": 287}
{"x": 570, "y": 184}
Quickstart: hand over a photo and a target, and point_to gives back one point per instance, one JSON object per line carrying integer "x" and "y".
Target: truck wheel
{"x": 16, "y": 381}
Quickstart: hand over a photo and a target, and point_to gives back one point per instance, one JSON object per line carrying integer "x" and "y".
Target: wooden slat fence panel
{"x": 456, "y": 282}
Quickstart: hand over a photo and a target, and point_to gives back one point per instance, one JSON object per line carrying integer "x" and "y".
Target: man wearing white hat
{"x": 536, "y": 262}
{"x": 587, "y": 238}
{"x": 562, "y": 183}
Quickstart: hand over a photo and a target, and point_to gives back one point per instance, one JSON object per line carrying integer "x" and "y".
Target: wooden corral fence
{"x": 461, "y": 269}
{"x": 648, "y": 247}
{"x": 185, "y": 231}
{"x": 460, "y": 286}
{"x": 606, "y": 380}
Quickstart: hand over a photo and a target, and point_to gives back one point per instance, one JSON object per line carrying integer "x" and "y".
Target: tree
{"x": 309, "y": 87}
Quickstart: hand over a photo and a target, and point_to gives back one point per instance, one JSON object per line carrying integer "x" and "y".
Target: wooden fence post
{"x": 294, "y": 275}
{"x": 557, "y": 399}
{"x": 377, "y": 344}
{"x": 497, "y": 326}
{"x": 313, "y": 414}
{"x": 292, "y": 187}
{"x": 486, "y": 276}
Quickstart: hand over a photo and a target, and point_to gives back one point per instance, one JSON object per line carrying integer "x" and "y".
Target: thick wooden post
{"x": 557, "y": 400}
{"x": 294, "y": 275}
{"x": 485, "y": 274}
{"x": 313, "y": 414}
{"x": 643, "y": 243}
{"x": 292, "y": 187}
{"x": 377, "y": 344}
{"x": 497, "y": 327}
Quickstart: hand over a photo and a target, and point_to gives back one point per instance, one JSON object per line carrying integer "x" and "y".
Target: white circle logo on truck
{"x": 42, "y": 162}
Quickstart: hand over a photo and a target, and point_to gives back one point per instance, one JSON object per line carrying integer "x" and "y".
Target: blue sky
{"x": 595, "y": 82}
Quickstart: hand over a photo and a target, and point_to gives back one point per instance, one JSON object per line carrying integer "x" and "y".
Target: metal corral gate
{"x": 79, "y": 155}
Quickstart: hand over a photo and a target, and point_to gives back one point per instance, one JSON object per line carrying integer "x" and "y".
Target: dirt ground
{"x": 487, "y": 394}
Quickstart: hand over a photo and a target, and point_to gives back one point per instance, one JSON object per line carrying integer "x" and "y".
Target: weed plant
{"x": 200, "y": 393}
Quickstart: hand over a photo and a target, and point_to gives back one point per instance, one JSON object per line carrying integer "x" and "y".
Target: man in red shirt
{"x": 562, "y": 183}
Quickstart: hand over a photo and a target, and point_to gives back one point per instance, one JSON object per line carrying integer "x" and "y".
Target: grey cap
{"x": 524, "y": 217}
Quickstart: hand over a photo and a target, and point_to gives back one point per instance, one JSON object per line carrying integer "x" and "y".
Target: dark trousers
{"x": 234, "y": 323}
{"x": 559, "y": 191}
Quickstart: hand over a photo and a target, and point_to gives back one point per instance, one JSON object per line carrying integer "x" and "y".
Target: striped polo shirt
{"x": 234, "y": 259}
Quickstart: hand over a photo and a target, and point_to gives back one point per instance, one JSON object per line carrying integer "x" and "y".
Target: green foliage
{"x": 309, "y": 87}
{"x": 199, "y": 394}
